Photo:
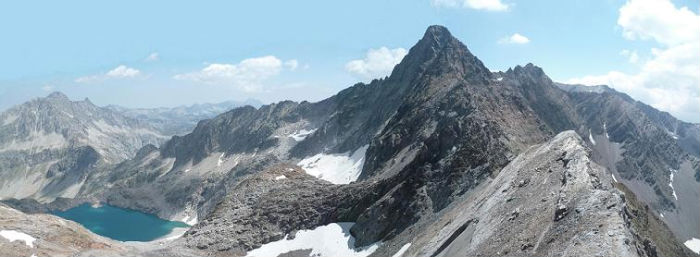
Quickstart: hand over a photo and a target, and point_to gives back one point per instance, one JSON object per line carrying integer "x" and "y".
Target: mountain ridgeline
{"x": 180, "y": 120}
{"x": 441, "y": 158}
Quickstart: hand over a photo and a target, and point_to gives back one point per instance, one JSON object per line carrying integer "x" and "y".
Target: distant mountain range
{"x": 181, "y": 119}
{"x": 442, "y": 158}
{"x": 50, "y": 145}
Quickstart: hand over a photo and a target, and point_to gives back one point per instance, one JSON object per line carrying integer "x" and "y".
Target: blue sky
{"x": 211, "y": 51}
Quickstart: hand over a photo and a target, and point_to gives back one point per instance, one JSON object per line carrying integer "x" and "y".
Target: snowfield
{"x": 336, "y": 168}
{"x": 605, "y": 128}
{"x": 693, "y": 245}
{"x": 15, "y": 235}
{"x": 220, "y": 160}
{"x": 302, "y": 134}
{"x": 401, "y": 251}
{"x": 671, "y": 185}
{"x": 590, "y": 137}
{"x": 190, "y": 221}
{"x": 330, "y": 240}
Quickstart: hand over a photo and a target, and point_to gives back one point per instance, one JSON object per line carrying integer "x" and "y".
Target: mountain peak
{"x": 437, "y": 31}
{"x": 441, "y": 53}
{"x": 439, "y": 37}
{"x": 57, "y": 96}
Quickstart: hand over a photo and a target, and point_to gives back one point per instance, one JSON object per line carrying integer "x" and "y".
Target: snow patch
{"x": 661, "y": 215}
{"x": 401, "y": 251}
{"x": 330, "y": 240}
{"x": 590, "y": 137}
{"x": 280, "y": 177}
{"x": 605, "y": 128}
{"x": 671, "y": 185}
{"x": 14, "y": 235}
{"x": 336, "y": 168}
{"x": 175, "y": 234}
{"x": 302, "y": 134}
{"x": 693, "y": 245}
{"x": 498, "y": 79}
{"x": 190, "y": 221}
{"x": 613, "y": 177}
{"x": 220, "y": 161}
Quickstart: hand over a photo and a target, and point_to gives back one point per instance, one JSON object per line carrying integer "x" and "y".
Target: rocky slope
{"x": 646, "y": 148}
{"x": 551, "y": 200}
{"x": 49, "y": 146}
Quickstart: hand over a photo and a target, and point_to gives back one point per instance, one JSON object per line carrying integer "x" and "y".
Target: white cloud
{"x": 488, "y": 5}
{"x": 377, "y": 62}
{"x": 659, "y": 20}
{"x": 47, "y": 88}
{"x": 669, "y": 80}
{"x": 247, "y": 75}
{"x": 514, "y": 39}
{"x": 291, "y": 64}
{"x": 631, "y": 56}
{"x": 152, "y": 57}
{"x": 120, "y": 72}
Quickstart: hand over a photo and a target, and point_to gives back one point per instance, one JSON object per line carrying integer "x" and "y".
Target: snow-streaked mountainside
{"x": 181, "y": 119}
{"x": 442, "y": 158}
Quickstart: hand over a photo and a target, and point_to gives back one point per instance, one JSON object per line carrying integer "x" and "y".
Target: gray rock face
{"x": 49, "y": 146}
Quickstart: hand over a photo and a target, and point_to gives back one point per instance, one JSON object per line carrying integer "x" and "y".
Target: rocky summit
{"x": 441, "y": 158}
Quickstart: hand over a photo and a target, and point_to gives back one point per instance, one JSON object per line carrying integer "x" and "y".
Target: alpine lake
{"x": 119, "y": 223}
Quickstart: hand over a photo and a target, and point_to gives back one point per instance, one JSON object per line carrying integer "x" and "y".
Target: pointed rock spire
{"x": 440, "y": 52}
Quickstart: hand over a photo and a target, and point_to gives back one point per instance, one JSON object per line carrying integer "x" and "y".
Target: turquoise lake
{"x": 120, "y": 224}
